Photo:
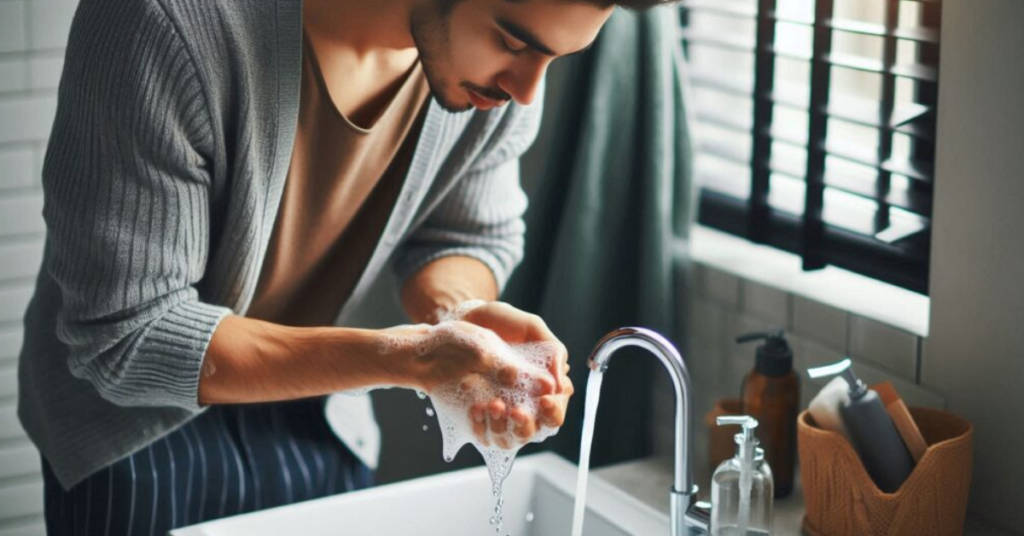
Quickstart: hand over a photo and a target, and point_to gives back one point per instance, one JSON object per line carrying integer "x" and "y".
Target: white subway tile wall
{"x": 820, "y": 322}
{"x": 884, "y": 345}
{"x": 13, "y": 74}
{"x": 44, "y": 71}
{"x": 16, "y": 165}
{"x": 721, "y": 287}
{"x": 766, "y": 303}
{"x": 13, "y": 34}
{"x": 50, "y": 21}
{"x": 33, "y": 35}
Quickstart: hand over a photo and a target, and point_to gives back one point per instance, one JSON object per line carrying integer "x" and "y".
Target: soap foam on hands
{"x": 453, "y": 400}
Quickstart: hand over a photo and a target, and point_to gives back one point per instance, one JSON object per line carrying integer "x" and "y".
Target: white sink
{"x": 455, "y": 504}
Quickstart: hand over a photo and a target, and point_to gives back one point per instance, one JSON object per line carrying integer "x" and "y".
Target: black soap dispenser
{"x": 771, "y": 394}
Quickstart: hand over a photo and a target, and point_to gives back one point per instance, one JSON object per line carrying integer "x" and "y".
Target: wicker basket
{"x": 842, "y": 500}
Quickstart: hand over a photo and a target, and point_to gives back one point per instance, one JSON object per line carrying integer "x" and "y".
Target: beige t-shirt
{"x": 342, "y": 185}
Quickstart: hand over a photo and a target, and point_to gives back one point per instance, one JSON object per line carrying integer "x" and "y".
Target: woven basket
{"x": 842, "y": 500}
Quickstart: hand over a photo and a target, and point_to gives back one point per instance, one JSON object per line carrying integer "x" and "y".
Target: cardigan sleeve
{"x": 482, "y": 215}
{"x": 126, "y": 204}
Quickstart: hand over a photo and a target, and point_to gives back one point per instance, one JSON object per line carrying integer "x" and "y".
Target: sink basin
{"x": 539, "y": 496}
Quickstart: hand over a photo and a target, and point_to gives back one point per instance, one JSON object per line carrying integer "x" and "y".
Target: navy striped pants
{"x": 231, "y": 459}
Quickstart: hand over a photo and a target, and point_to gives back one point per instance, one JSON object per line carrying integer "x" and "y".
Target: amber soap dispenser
{"x": 771, "y": 394}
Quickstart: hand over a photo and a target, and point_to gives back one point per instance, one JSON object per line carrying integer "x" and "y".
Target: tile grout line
{"x": 920, "y": 359}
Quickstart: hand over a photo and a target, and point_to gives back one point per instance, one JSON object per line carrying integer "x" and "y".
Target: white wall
{"x": 32, "y": 39}
{"x": 975, "y": 353}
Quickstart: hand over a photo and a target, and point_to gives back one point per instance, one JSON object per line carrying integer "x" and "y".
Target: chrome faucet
{"x": 688, "y": 517}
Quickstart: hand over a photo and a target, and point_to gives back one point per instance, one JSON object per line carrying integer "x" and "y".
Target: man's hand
{"x": 519, "y": 327}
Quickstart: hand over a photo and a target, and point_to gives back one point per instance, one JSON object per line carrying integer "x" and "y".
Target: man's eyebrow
{"x": 531, "y": 40}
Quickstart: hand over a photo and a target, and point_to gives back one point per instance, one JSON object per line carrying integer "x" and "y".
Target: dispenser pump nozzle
{"x": 774, "y": 357}
{"x": 748, "y": 423}
{"x": 843, "y": 368}
{"x": 773, "y": 336}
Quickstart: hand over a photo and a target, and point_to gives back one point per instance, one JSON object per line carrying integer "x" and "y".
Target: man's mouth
{"x": 482, "y": 102}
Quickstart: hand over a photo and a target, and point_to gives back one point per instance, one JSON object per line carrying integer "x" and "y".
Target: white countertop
{"x": 650, "y": 479}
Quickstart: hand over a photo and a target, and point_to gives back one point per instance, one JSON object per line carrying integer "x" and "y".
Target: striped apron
{"x": 229, "y": 460}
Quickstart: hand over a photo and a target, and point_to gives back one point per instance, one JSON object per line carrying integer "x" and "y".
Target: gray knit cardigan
{"x": 165, "y": 167}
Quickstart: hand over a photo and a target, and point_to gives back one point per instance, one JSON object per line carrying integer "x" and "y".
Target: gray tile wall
{"x": 32, "y": 39}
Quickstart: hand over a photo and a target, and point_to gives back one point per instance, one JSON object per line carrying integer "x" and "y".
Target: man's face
{"x": 483, "y": 53}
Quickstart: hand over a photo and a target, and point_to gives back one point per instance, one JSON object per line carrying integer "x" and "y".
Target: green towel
{"x": 607, "y": 215}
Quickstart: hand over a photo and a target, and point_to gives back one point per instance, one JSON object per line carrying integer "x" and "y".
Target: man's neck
{"x": 364, "y": 27}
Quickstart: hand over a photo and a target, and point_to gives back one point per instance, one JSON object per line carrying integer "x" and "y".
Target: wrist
{"x": 395, "y": 354}
{"x": 444, "y": 283}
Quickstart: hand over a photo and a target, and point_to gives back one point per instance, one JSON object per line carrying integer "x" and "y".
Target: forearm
{"x": 250, "y": 360}
{"x": 444, "y": 283}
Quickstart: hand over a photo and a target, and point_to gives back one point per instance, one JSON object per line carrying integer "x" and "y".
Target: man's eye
{"x": 511, "y": 47}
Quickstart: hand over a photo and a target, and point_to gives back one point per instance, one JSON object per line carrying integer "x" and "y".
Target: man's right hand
{"x": 465, "y": 353}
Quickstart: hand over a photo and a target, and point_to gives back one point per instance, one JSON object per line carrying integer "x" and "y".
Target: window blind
{"x": 816, "y": 127}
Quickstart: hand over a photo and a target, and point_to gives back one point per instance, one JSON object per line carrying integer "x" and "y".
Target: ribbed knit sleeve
{"x": 482, "y": 215}
{"x": 126, "y": 203}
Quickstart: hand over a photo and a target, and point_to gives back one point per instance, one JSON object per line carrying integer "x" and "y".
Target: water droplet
{"x": 430, "y": 412}
{"x": 421, "y": 394}
{"x": 425, "y": 428}
{"x": 529, "y": 517}
{"x": 448, "y": 459}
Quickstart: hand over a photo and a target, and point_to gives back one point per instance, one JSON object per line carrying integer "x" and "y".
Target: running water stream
{"x": 589, "y": 416}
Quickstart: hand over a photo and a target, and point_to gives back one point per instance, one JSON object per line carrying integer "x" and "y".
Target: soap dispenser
{"x": 872, "y": 432}
{"x": 742, "y": 487}
{"x": 771, "y": 394}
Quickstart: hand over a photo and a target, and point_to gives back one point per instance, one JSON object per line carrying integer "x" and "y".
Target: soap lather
{"x": 871, "y": 431}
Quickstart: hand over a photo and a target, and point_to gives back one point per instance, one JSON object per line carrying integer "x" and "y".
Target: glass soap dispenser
{"x": 742, "y": 487}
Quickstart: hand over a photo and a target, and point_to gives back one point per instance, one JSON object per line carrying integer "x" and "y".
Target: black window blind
{"x": 816, "y": 127}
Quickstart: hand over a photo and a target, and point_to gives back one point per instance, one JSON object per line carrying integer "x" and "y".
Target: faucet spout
{"x": 687, "y": 517}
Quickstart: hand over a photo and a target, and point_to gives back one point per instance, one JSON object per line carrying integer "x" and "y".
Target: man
{"x": 224, "y": 179}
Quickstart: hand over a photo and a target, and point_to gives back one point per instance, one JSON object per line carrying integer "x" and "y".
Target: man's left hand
{"x": 519, "y": 327}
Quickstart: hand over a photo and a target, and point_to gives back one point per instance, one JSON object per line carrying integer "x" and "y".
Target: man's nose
{"x": 522, "y": 81}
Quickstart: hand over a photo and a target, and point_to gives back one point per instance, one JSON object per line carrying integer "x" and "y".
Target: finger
{"x": 496, "y": 411}
{"x": 508, "y": 375}
{"x": 526, "y": 426}
{"x": 471, "y": 382}
{"x": 552, "y": 410}
{"x": 502, "y": 442}
{"x": 557, "y": 365}
{"x": 543, "y": 384}
{"x": 478, "y": 416}
{"x": 506, "y": 321}
{"x": 496, "y": 408}
{"x": 499, "y": 426}
{"x": 567, "y": 387}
